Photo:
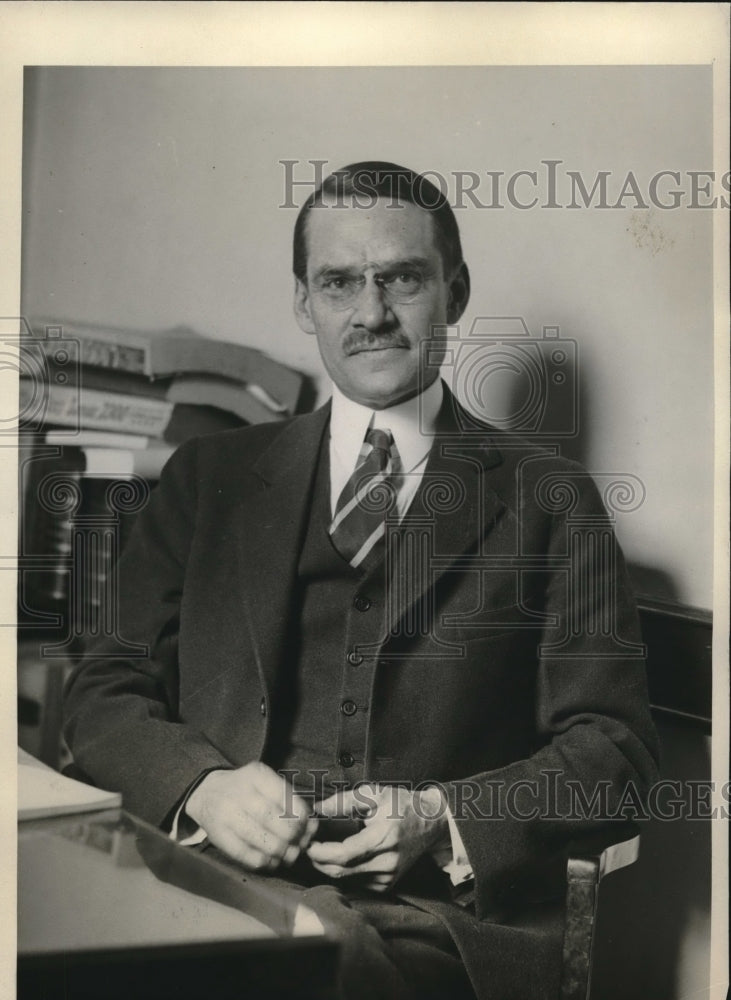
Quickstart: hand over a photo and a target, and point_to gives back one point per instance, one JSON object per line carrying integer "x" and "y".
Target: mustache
{"x": 370, "y": 340}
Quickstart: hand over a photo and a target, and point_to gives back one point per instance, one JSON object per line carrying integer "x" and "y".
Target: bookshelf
{"x": 74, "y": 525}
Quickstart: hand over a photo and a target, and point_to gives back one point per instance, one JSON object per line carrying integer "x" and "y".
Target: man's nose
{"x": 371, "y": 307}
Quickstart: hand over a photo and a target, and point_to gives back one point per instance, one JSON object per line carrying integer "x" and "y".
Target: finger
{"x": 332, "y": 871}
{"x": 248, "y": 831}
{"x": 352, "y": 850}
{"x": 275, "y": 789}
{"x": 244, "y": 853}
{"x": 379, "y": 883}
{"x": 338, "y": 806}
{"x": 355, "y": 803}
{"x": 382, "y": 866}
{"x": 291, "y": 855}
{"x": 381, "y": 879}
{"x": 271, "y": 816}
{"x": 310, "y": 831}
{"x": 377, "y": 836}
{"x": 243, "y": 814}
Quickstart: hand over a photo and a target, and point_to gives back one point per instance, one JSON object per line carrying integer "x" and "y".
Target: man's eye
{"x": 404, "y": 281}
{"x": 337, "y": 283}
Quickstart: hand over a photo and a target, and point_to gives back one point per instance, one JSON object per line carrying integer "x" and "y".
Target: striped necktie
{"x": 358, "y": 527}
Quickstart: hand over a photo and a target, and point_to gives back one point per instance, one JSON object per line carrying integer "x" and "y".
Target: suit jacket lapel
{"x": 454, "y": 506}
{"x": 272, "y": 523}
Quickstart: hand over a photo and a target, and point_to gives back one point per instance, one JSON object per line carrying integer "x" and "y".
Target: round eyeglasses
{"x": 343, "y": 290}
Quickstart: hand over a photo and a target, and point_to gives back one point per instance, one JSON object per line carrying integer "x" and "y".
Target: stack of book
{"x": 135, "y": 392}
{"x": 99, "y": 405}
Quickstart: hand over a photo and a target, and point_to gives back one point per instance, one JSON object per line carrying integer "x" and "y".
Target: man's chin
{"x": 380, "y": 394}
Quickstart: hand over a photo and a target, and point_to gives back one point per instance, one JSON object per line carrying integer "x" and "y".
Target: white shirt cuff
{"x": 458, "y": 867}
{"x": 192, "y": 839}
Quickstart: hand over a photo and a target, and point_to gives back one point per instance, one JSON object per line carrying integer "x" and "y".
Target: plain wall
{"x": 151, "y": 198}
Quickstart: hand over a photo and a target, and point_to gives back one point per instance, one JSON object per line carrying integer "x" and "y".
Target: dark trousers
{"x": 389, "y": 948}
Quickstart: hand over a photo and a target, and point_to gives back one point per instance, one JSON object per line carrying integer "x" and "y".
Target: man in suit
{"x": 386, "y": 612}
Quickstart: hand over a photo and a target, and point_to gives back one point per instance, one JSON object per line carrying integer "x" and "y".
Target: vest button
{"x": 349, "y": 707}
{"x": 346, "y": 759}
{"x": 361, "y": 603}
{"x": 263, "y": 706}
{"x": 354, "y": 658}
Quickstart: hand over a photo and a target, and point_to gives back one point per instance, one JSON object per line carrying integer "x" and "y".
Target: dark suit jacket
{"x": 524, "y": 677}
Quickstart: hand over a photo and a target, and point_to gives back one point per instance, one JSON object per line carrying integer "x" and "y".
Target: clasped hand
{"x": 400, "y": 826}
{"x": 254, "y": 816}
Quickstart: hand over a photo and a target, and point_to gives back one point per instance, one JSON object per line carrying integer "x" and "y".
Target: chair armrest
{"x": 591, "y": 858}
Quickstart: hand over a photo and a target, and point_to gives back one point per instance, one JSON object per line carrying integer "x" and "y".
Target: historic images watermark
{"x": 551, "y": 184}
{"x": 551, "y": 796}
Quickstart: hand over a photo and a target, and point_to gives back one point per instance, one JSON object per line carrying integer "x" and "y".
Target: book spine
{"x": 95, "y": 439}
{"x": 201, "y": 391}
{"x": 119, "y": 463}
{"x": 168, "y": 352}
{"x": 103, "y": 355}
{"x": 106, "y": 353}
{"x": 93, "y": 409}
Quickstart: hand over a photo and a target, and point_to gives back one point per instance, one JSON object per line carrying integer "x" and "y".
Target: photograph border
{"x": 383, "y": 34}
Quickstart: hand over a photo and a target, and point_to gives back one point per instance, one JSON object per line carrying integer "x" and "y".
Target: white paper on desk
{"x": 43, "y": 792}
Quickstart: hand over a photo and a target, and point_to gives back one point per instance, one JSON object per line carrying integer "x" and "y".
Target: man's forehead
{"x": 379, "y": 233}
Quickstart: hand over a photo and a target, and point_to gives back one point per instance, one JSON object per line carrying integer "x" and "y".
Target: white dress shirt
{"x": 412, "y": 425}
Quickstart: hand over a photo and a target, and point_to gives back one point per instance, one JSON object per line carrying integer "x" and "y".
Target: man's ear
{"x": 459, "y": 294}
{"x": 302, "y": 306}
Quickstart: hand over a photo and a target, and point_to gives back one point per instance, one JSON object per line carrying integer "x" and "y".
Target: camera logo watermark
{"x": 38, "y": 367}
{"x": 509, "y": 378}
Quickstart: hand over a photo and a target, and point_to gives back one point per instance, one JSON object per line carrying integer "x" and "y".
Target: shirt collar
{"x": 412, "y": 423}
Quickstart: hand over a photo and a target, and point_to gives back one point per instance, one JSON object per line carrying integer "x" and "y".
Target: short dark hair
{"x": 377, "y": 179}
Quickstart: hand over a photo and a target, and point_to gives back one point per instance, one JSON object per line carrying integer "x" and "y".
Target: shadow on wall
{"x": 652, "y": 582}
{"x": 308, "y": 395}
{"x": 522, "y": 381}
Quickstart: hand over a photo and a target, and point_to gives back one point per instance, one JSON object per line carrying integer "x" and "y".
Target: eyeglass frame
{"x": 422, "y": 275}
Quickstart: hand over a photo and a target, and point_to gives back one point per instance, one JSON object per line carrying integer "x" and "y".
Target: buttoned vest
{"x": 325, "y": 692}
